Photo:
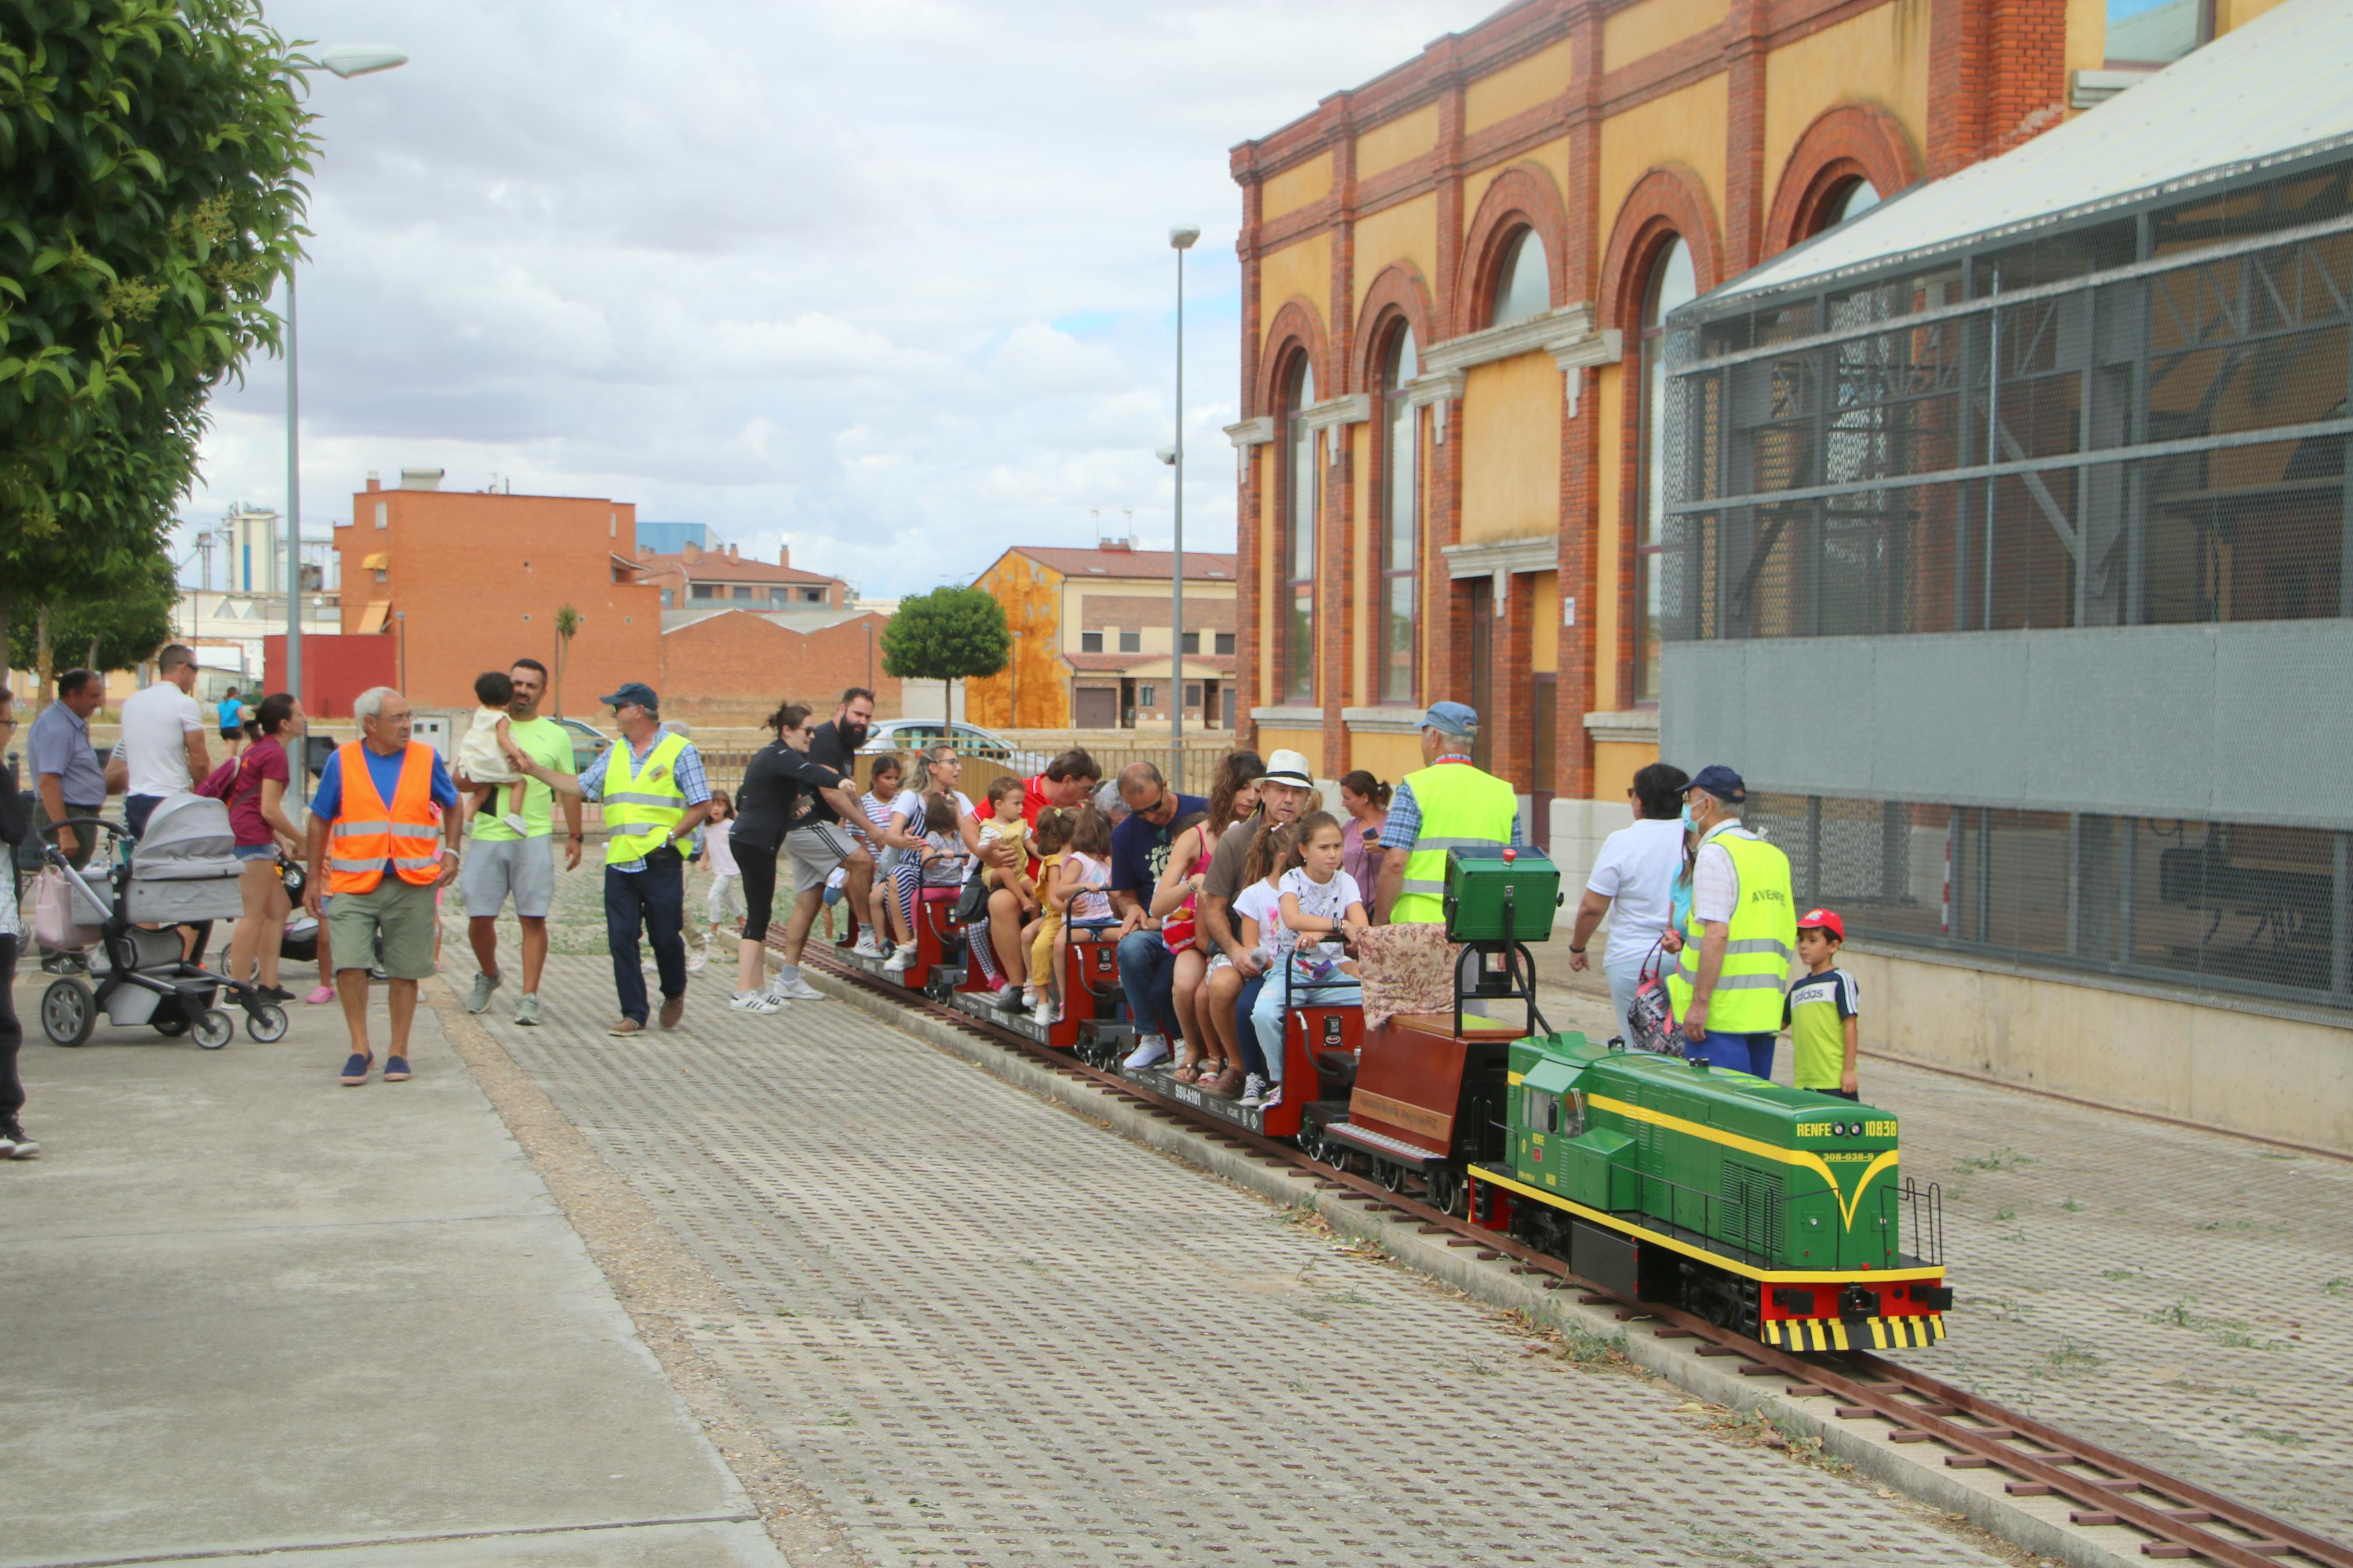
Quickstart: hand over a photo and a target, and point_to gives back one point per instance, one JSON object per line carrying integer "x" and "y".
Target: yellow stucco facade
{"x": 1879, "y": 58}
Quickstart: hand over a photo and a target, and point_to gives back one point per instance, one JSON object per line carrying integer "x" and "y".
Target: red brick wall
{"x": 335, "y": 670}
{"x": 476, "y": 580}
{"x": 737, "y": 666}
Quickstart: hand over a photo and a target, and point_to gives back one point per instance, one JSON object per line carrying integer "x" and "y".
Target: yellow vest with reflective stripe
{"x": 1459, "y": 805}
{"x": 1759, "y": 943}
{"x": 642, "y": 803}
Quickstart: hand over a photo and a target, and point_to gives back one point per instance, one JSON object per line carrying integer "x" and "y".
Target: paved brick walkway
{"x": 989, "y": 1332}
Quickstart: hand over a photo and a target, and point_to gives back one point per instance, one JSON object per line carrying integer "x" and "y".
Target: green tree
{"x": 150, "y": 151}
{"x": 117, "y": 621}
{"x": 567, "y": 626}
{"x": 948, "y": 634}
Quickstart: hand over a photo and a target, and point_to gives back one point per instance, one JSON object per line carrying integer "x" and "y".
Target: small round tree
{"x": 948, "y": 634}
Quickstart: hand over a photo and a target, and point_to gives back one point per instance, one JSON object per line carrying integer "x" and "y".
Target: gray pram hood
{"x": 187, "y": 838}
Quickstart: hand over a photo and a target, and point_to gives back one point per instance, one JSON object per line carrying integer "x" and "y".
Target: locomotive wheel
{"x": 1392, "y": 1176}
{"x": 1336, "y": 1154}
{"x": 1446, "y": 1191}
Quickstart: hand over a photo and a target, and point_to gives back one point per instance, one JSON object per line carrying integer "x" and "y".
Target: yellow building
{"x": 1092, "y": 640}
{"x": 1452, "y": 282}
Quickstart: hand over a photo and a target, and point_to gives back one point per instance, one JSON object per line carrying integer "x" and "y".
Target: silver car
{"x": 908, "y": 736}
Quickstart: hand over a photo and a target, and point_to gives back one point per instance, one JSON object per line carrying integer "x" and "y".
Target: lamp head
{"x": 348, "y": 60}
{"x": 1167, "y": 455}
{"x": 1183, "y": 236}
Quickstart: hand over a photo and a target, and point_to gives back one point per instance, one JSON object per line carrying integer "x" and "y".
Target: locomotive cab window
{"x": 1542, "y": 1111}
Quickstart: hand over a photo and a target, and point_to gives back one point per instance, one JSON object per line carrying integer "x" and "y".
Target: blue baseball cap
{"x": 1720, "y": 782}
{"x": 636, "y": 691}
{"x": 1457, "y": 719}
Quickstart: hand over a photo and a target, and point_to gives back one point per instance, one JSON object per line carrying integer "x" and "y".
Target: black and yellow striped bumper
{"x": 1838, "y": 1334}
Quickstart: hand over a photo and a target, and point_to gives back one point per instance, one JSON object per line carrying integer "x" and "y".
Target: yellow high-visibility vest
{"x": 642, "y": 803}
{"x": 1459, "y": 805}
{"x": 1759, "y": 941}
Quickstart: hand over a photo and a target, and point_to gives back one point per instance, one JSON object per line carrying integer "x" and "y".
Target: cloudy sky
{"x": 887, "y": 280}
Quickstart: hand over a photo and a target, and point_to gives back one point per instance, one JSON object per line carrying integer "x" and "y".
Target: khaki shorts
{"x": 403, "y": 913}
{"x": 816, "y": 851}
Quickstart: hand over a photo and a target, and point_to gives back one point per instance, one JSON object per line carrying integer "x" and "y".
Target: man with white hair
{"x": 388, "y": 809}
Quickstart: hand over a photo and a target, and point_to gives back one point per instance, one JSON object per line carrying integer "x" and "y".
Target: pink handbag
{"x": 54, "y": 925}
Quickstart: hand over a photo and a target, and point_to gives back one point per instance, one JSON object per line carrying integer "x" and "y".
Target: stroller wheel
{"x": 172, "y": 1028}
{"x": 68, "y": 1012}
{"x": 214, "y": 1029}
{"x": 266, "y": 1024}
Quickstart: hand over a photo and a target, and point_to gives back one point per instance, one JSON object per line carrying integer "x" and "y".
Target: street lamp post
{"x": 1180, "y": 239}
{"x": 346, "y": 60}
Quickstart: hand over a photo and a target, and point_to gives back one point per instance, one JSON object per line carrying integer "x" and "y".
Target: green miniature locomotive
{"x": 1775, "y": 1211}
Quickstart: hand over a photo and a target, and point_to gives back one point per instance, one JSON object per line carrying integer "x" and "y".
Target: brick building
{"x": 1452, "y": 279}
{"x": 1093, "y": 639}
{"x": 469, "y": 581}
{"x": 733, "y": 667}
{"x": 696, "y": 578}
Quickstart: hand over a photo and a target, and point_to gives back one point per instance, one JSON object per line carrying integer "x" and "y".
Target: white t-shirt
{"x": 1321, "y": 900}
{"x": 718, "y": 843}
{"x": 1637, "y": 873}
{"x": 1715, "y": 880}
{"x": 1261, "y": 902}
{"x": 156, "y": 724}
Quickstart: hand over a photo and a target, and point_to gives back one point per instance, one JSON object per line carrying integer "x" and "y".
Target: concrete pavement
{"x": 249, "y": 1311}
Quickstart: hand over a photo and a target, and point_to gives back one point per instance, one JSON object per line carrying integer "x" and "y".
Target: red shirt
{"x": 265, "y": 758}
{"x": 1033, "y": 800}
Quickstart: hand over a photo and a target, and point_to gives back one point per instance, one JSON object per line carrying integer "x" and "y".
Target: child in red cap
{"x": 1823, "y": 1009}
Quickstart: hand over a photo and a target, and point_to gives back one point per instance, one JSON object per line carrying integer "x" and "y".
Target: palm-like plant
{"x": 567, "y": 626}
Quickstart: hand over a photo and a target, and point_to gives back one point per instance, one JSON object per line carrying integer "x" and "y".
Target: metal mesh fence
{"x": 2218, "y": 906}
{"x": 2135, "y": 422}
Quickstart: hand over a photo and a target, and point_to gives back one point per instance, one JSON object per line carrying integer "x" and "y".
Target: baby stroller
{"x": 183, "y": 872}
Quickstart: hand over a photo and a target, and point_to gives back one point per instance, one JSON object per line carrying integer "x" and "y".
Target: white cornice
{"x": 1301, "y": 718}
{"x": 1381, "y": 721}
{"x": 1606, "y": 346}
{"x": 1252, "y": 432}
{"x": 1353, "y": 409}
{"x": 1489, "y": 557}
{"x": 1554, "y": 331}
{"x": 1632, "y": 727}
{"x": 1439, "y": 387}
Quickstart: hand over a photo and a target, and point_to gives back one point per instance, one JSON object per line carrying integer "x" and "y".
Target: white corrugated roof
{"x": 2283, "y": 84}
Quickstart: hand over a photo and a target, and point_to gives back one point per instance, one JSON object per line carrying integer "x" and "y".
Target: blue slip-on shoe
{"x": 355, "y": 1070}
{"x": 395, "y": 1070}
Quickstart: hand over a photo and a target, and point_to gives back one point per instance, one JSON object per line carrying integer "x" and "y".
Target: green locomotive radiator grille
{"x": 1751, "y": 1217}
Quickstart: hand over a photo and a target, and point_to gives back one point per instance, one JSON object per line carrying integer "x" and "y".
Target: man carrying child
{"x": 512, "y": 855}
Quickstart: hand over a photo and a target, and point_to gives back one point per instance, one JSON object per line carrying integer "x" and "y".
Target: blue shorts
{"x": 257, "y": 851}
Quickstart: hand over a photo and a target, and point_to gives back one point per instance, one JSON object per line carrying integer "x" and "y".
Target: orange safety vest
{"x": 367, "y": 832}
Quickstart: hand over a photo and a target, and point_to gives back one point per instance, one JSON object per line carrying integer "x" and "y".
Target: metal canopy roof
{"x": 2280, "y": 87}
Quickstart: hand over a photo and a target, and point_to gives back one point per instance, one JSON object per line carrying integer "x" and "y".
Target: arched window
{"x": 1671, "y": 283}
{"x": 1852, "y": 200}
{"x": 1523, "y": 282}
{"x": 1400, "y": 521}
{"x": 1300, "y": 491}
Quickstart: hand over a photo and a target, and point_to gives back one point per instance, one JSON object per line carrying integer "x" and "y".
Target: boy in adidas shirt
{"x": 1823, "y": 1010}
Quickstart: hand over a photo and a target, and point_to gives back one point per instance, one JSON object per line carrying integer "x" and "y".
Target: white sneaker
{"x": 695, "y": 962}
{"x": 796, "y": 990}
{"x": 755, "y": 1002}
{"x": 901, "y": 957}
{"x": 520, "y": 827}
{"x": 1274, "y": 1097}
{"x": 1253, "y": 1090}
{"x": 1151, "y": 1050}
{"x": 1049, "y": 1013}
{"x": 869, "y": 947}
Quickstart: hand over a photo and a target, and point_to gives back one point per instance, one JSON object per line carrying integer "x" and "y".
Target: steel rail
{"x": 2177, "y": 1521}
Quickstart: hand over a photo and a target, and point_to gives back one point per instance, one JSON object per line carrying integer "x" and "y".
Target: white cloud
{"x": 885, "y": 278}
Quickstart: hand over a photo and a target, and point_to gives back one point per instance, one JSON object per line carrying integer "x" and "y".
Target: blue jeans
{"x": 1267, "y": 1016}
{"x": 1245, "y": 1032}
{"x": 655, "y": 896}
{"x": 1147, "y": 974}
{"x": 1742, "y": 1053}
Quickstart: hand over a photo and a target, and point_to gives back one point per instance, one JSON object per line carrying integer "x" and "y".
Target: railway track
{"x": 2176, "y": 1520}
